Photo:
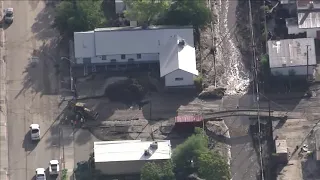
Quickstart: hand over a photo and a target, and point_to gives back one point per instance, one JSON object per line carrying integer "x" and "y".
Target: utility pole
{"x": 214, "y": 63}
{"x": 307, "y": 62}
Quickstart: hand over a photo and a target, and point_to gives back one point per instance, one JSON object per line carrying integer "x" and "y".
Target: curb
{"x": 4, "y": 163}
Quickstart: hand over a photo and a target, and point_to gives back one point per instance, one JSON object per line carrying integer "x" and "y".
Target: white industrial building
{"x": 129, "y": 156}
{"x": 124, "y": 47}
{"x": 292, "y": 55}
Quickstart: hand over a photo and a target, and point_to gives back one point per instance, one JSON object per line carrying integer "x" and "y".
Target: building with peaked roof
{"x": 293, "y": 55}
{"x": 129, "y": 156}
{"x": 128, "y": 47}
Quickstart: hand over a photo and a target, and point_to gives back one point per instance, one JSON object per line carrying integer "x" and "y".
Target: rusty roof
{"x": 188, "y": 119}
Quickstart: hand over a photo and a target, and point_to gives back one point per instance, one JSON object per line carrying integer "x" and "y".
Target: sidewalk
{"x": 4, "y": 158}
{"x": 67, "y": 149}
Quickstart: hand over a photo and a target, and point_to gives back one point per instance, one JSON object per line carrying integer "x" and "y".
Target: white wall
{"x": 144, "y": 58}
{"x": 311, "y": 33}
{"x": 299, "y": 70}
{"x": 187, "y": 78}
{"x": 84, "y": 44}
{"x": 122, "y": 167}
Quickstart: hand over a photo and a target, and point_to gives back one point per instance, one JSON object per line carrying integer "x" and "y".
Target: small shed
{"x": 187, "y": 123}
{"x": 281, "y": 151}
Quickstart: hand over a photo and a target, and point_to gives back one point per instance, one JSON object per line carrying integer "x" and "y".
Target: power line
{"x": 256, "y": 83}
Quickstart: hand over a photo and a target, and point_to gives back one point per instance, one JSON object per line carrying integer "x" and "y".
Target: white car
{"x": 40, "y": 174}
{"x": 8, "y": 15}
{"x": 54, "y": 167}
{"x": 35, "y": 132}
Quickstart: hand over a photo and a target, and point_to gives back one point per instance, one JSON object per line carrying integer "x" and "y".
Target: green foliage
{"x": 189, "y": 151}
{"x": 86, "y": 16}
{"x": 146, "y": 11}
{"x": 207, "y": 164}
{"x": 169, "y": 12}
{"x": 198, "y": 82}
{"x": 191, "y": 157}
{"x": 64, "y": 174}
{"x": 265, "y": 8}
{"x": 211, "y": 165}
{"x": 188, "y": 12}
{"x": 265, "y": 60}
{"x": 153, "y": 171}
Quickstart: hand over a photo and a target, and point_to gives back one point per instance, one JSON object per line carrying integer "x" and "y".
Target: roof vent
{"x": 146, "y": 152}
{"x": 154, "y": 145}
{"x": 181, "y": 43}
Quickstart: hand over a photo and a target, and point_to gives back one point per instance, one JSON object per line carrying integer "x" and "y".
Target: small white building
{"x": 308, "y": 18}
{"x": 123, "y": 47}
{"x": 128, "y": 157}
{"x": 292, "y": 55}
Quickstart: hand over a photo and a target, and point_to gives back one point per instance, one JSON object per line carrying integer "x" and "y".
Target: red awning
{"x": 188, "y": 119}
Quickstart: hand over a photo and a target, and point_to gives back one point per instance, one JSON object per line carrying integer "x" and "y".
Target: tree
{"x": 150, "y": 171}
{"x": 87, "y": 15}
{"x": 194, "y": 156}
{"x": 188, "y": 12}
{"x": 146, "y": 11}
{"x": 212, "y": 166}
{"x": 153, "y": 171}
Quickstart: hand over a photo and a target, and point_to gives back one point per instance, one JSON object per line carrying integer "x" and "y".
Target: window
{"x": 104, "y": 57}
{"x": 123, "y": 56}
{"x": 130, "y": 60}
{"x": 138, "y": 56}
{"x": 284, "y": 65}
{"x": 113, "y": 60}
{"x": 178, "y": 79}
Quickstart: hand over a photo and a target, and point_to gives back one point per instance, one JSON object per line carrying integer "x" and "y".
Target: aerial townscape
{"x": 160, "y": 90}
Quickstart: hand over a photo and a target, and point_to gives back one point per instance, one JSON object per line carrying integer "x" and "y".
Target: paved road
{"x": 30, "y": 91}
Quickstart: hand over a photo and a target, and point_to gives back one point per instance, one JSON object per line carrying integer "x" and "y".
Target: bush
{"x": 198, "y": 82}
{"x": 64, "y": 174}
{"x": 129, "y": 90}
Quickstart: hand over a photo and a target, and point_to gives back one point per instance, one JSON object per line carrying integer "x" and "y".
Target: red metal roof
{"x": 187, "y": 119}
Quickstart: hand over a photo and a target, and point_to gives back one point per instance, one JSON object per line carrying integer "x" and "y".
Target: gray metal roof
{"x": 309, "y": 19}
{"x": 291, "y": 52}
{"x": 305, "y": 4}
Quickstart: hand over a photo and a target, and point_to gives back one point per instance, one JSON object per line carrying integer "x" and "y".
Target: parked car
{"x": 40, "y": 174}
{"x": 8, "y": 15}
{"x": 35, "y": 132}
{"x": 54, "y": 167}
